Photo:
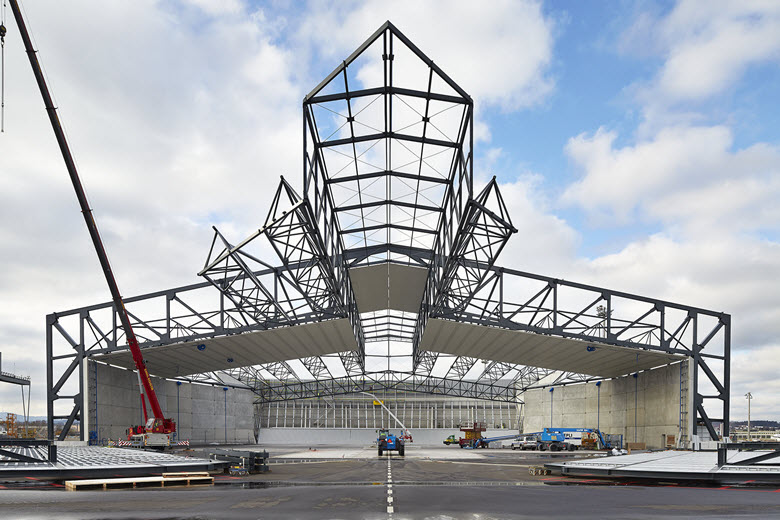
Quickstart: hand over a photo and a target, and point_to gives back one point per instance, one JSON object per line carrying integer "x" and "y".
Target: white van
{"x": 527, "y": 442}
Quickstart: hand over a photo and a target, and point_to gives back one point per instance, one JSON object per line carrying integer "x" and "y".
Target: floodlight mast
{"x": 86, "y": 211}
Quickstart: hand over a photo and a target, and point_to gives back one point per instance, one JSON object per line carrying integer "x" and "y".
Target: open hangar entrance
{"x": 386, "y": 282}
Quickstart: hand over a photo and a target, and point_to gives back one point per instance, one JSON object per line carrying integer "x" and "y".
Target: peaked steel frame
{"x": 388, "y": 178}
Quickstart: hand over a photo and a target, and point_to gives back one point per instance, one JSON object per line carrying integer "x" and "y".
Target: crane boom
{"x": 86, "y": 211}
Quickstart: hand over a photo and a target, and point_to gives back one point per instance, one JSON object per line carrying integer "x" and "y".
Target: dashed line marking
{"x": 390, "y": 506}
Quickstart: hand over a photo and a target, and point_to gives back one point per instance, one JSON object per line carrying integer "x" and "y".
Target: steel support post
{"x": 50, "y": 319}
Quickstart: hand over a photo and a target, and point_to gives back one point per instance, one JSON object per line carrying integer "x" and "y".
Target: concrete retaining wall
{"x": 642, "y": 409}
{"x": 359, "y": 436}
{"x": 199, "y": 410}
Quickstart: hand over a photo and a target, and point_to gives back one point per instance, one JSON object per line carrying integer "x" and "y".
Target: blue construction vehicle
{"x": 551, "y": 439}
{"x": 544, "y": 440}
{"x": 389, "y": 442}
{"x": 483, "y": 442}
{"x": 588, "y": 438}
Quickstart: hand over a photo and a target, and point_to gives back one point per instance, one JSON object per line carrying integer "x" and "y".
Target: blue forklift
{"x": 389, "y": 442}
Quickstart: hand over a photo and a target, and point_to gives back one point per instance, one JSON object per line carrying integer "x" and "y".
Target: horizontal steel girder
{"x": 268, "y": 391}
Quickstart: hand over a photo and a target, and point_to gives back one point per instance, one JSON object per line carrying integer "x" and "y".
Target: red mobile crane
{"x": 157, "y": 430}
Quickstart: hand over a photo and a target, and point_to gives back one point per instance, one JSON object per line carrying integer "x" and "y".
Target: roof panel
{"x": 403, "y": 292}
{"x": 524, "y": 348}
{"x": 252, "y": 348}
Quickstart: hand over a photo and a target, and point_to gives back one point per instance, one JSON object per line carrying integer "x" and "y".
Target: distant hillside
{"x": 772, "y": 425}
{"x": 32, "y": 417}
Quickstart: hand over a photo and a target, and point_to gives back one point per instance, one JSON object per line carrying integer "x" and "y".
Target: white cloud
{"x": 686, "y": 177}
{"x": 544, "y": 243}
{"x": 713, "y": 208}
{"x": 175, "y": 126}
{"x": 501, "y": 59}
{"x": 217, "y": 8}
{"x": 755, "y": 371}
{"x": 183, "y": 115}
{"x": 178, "y": 125}
{"x": 722, "y": 273}
{"x": 706, "y": 46}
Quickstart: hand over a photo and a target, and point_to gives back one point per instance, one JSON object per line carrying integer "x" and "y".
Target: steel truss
{"x": 269, "y": 391}
{"x": 309, "y": 287}
{"x": 388, "y": 178}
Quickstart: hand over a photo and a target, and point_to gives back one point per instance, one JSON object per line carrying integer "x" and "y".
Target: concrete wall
{"x": 642, "y": 409}
{"x": 199, "y": 410}
{"x": 359, "y": 436}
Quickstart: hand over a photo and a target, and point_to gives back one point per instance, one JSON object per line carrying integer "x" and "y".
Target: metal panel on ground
{"x": 513, "y": 346}
{"x": 253, "y": 348}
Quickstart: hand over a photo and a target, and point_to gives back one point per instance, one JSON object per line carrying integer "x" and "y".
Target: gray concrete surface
{"x": 199, "y": 410}
{"x": 352, "y": 436}
{"x": 642, "y": 409}
{"x": 431, "y": 484}
{"x": 235, "y": 498}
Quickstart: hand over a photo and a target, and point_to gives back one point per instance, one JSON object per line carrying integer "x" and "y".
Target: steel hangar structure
{"x": 385, "y": 275}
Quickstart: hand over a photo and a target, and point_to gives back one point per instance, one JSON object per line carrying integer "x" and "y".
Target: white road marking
{"x": 390, "y": 508}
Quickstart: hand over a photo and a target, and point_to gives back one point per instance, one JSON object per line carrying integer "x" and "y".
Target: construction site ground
{"x": 428, "y": 483}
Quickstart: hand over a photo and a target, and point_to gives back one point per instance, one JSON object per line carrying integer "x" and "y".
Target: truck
{"x": 551, "y": 440}
{"x": 474, "y": 438}
{"x": 153, "y": 434}
{"x": 389, "y": 442}
{"x": 526, "y": 442}
{"x": 548, "y": 439}
{"x": 473, "y": 432}
{"x": 592, "y": 438}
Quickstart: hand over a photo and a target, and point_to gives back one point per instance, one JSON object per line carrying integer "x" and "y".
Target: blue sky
{"x": 636, "y": 143}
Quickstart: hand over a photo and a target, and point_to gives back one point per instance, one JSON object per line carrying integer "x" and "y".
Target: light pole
{"x": 749, "y": 397}
{"x": 598, "y": 405}
{"x": 551, "y": 406}
{"x": 225, "y": 389}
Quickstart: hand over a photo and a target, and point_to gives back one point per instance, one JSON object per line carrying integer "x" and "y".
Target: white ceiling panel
{"x": 252, "y": 348}
{"x": 388, "y": 286}
{"x": 524, "y": 348}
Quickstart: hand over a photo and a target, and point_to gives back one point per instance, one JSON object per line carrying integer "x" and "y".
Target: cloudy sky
{"x": 638, "y": 146}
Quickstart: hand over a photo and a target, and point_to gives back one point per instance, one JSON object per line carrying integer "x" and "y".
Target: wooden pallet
{"x": 538, "y": 470}
{"x": 168, "y": 479}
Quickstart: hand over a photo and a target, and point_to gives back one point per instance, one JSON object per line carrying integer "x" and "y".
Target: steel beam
{"x": 312, "y": 279}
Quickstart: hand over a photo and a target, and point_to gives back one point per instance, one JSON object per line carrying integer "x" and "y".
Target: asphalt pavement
{"x": 495, "y": 485}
